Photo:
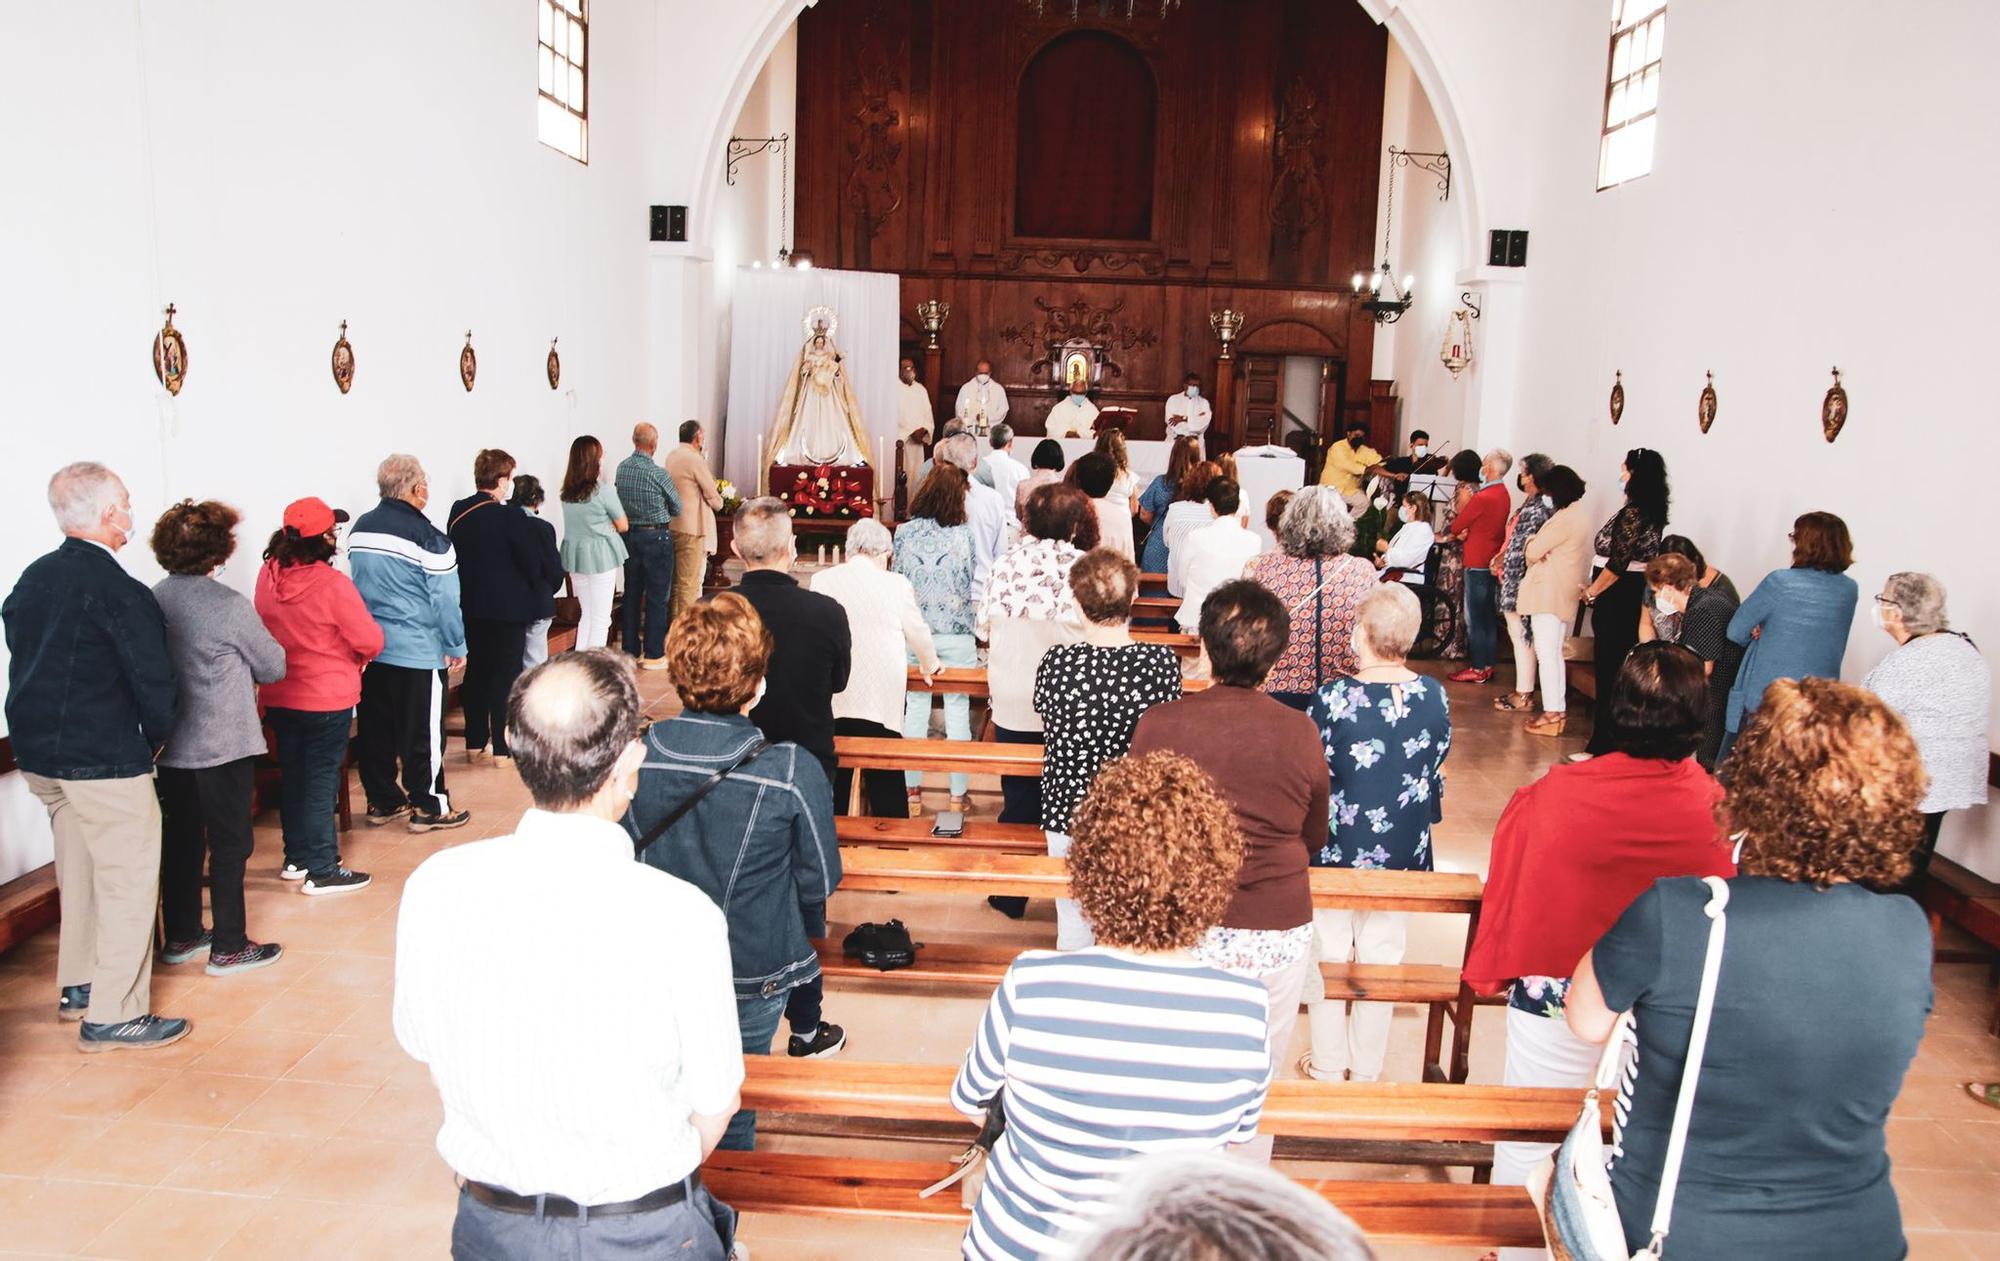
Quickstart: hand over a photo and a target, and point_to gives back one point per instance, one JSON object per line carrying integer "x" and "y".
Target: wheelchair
{"x": 1440, "y": 610}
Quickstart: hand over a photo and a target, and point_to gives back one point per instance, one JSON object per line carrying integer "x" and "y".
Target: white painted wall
{"x": 1794, "y": 220}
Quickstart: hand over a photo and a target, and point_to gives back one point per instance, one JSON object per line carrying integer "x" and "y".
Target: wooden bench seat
{"x": 1186, "y": 646}
{"x": 1010, "y": 838}
{"x": 28, "y": 904}
{"x": 878, "y": 753}
{"x": 1454, "y": 1214}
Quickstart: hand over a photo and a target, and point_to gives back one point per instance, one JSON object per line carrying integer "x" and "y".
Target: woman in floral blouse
{"x": 1627, "y": 541}
{"x": 934, "y": 551}
{"x": 1321, "y": 586}
{"x": 1510, "y": 566}
{"x": 1385, "y": 731}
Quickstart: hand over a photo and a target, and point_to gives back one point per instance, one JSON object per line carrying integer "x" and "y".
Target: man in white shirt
{"x": 1188, "y": 413}
{"x": 1215, "y": 553}
{"x": 913, "y": 421}
{"x": 985, "y": 511}
{"x": 1075, "y": 416}
{"x": 1000, "y": 469}
{"x": 982, "y": 401}
{"x": 590, "y": 1065}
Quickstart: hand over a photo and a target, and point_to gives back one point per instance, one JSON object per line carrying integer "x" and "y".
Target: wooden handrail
{"x": 877, "y": 753}
{"x": 972, "y": 681}
{"x": 1017, "y": 838}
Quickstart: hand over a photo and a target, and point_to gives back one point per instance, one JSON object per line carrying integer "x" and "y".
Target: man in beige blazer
{"x": 694, "y": 528}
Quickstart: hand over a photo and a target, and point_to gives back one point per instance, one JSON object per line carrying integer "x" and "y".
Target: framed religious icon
{"x": 343, "y": 362}
{"x": 170, "y": 355}
{"x": 554, "y": 365}
{"x": 1833, "y": 409}
{"x": 1617, "y": 396}
{"x": 1704, "y": 411}
{"x": 468, "y": 363}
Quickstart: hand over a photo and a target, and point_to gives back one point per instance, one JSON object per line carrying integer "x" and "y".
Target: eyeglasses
{"x": 1885, "y": 600}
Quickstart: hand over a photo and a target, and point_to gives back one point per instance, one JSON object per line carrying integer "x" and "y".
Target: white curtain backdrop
{"x": 766, "y": 332}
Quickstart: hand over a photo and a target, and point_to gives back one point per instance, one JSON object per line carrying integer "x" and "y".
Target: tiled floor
{"x": 290, "y": 1125}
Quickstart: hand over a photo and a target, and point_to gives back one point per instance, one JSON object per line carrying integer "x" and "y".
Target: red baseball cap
{"x": 308, "y": 517}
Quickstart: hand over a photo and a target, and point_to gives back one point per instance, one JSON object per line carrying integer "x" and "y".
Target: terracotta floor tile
{"x": 33, "y": 1143}
{"x": 172, "y": 1226}
{"x": 141, "y": 1153}
{"x": 56, "y": 1215}
{"x": 211, "y": 1100}
{"x": 24, "y": 1078}
{"x": 351, "y": 974}
{"x": 307, "y": 1011}
{"x": 304, "y": 1230}
{"x": 257, "y": 1052}
{"x": 361, "y": 1171}
{"x": 398, "y": 1115}
{"x": 310, "y": 1109}
{"x": 104, "y": 1086}
{"x": 348, "y": 1060}
{"x": 241, "y": 1162}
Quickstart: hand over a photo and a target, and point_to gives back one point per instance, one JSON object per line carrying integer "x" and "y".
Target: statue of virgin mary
{"x": 819, "y": 421}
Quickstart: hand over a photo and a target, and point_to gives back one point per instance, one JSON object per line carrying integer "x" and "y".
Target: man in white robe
{"x": 913, "y": 424}
{"x": 982, "y": 401}
{"x": 1188, "y": 413}
{"x": 1075, "y": 416}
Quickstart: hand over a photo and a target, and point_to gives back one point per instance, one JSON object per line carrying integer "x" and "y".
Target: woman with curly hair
{"x": 1132, "y": 1046}
{"x": 1824, "y": 987}
{"x": 220, "y": 652}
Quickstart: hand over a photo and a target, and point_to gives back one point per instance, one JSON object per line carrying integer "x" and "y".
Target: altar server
{"x": 1188, "y": 413}
{"x": 913, "y": 422}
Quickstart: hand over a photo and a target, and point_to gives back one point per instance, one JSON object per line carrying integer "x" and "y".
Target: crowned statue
{"x": 818, "y": 420}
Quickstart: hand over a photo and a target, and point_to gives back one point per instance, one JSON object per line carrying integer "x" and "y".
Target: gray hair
{"x": 1536, "y": 465}
{"x": 1502, "y": 458}
{"x": 79, "y": 494}
{"x": 869, "y": 537}
{"x": 1388, "y": 620}
{"x": 952, "y": 428}
{"x": 764, "y": 531}
{"x": 1920, "y": 599}
{"x": 961, "y": 449}
{"x": 1179, "y": 1207}
{"x": 1316, "y": 523}
{"x": 398, "y": 475}
{"x": 1002, "y": 434}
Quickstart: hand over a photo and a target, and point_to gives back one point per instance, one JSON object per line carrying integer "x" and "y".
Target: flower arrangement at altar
{"x": 836, "y": 492}
{"x": 732, "y": 499}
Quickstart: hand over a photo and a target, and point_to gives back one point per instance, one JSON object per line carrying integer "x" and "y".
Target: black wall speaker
{"x": 1507, "y": 247}
{"x": 1496, "y": 247}
{"x": 1517, "y": 248}
{"x": 669, "y": 223}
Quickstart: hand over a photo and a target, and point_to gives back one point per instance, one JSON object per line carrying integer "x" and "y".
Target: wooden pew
{"x": 849, "y": 1099}
{"x": 1008, "y": 838}
{"x": 1156, "y": 606}
{"x": 1188, "y": 647}
{"x": 972, "y": 681}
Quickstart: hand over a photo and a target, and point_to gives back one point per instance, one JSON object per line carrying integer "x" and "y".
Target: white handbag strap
{"x": 1704, "y": 1009}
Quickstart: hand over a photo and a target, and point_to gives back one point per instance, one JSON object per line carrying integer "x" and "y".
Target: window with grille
{"x": 562, "y": 118}
{"x": 1632, "y": 90}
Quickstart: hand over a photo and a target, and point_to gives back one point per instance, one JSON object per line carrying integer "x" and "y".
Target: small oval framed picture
{"x": 1833, "y": 409}
{"x": 1704, "y": 411}
{"x": 343, "y": 362}
{"x": 1617, "y": 397}
{"x": 468, "y": 363}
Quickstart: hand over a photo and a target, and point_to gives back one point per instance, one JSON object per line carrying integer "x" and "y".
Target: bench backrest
{"x": 877, "y": 753}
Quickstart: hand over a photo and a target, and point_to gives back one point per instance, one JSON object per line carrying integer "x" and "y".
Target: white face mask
{"x": 1419, "y": 450}
{"x": 1194, "y": 391}
{"x": 757, "y": 697}
{"x": 1876, "y": 609}
{"x": 983, "y": 378}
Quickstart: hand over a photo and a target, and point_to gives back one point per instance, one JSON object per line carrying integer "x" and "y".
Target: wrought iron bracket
{"x": 741, "y": 147}
{"x": 1438, "y": 164}
{"x": 1470, "y": 303}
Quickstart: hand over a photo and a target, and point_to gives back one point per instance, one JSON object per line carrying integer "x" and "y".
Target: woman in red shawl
{"x": 1574, "y": 848}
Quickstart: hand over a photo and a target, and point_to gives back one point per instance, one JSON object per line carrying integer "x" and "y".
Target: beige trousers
{"x": 108, "y": 873}
{"x": 690, "y": 560}
{"x": 1353, "y": 1042}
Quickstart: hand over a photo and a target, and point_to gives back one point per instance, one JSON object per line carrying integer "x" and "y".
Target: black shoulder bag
{"x": 679, "y": 812}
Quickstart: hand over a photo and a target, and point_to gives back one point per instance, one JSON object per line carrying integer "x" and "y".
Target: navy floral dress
{"x": 1385, "y": 746}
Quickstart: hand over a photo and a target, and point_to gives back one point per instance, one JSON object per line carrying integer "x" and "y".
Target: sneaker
{"x": 1471, "y": 675}
{"x": 146, "y": 1033}
{"x": 251, "y": 956}
{"x": 295, "y": 871}
{"x": 73, "y": 1002}
{"x": 826, "y": 1041}
{"x": 339, "y": 880}
{"x": 503, "y": 758}
{"x": 182, "y": 951}
{"x": 421, "y": 822}
{"x": 379, "y": 815}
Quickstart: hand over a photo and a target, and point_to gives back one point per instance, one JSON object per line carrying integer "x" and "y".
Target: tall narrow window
{"x": 562, "y": 119}
{"x": 1632, "y": 90}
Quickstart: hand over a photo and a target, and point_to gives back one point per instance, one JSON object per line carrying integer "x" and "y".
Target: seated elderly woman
{"x": 1322, "y": 587}
{"x": 758, "y": 841}
{"x": 1075, "y": 1039}
{"x": 1212, "y": 1208}
{"x": 888, "y": 633}
{"x": 1577, "y": 845}
{"x": 1089, "y": 697}
{"x": 1819, "y": 1005}
{"x": 1697, "y": 618}
{"x": 1940, "y": 687}
{"x": 1383, "y": 732}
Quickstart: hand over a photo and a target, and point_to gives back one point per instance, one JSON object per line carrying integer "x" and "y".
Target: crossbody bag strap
{"x": 679, "y": 812}
{"x": 1704, "y": 1011}
{"x": 468, "y": 512}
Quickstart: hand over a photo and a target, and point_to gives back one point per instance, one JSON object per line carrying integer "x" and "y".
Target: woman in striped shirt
{"x": 1127, "y": 1047}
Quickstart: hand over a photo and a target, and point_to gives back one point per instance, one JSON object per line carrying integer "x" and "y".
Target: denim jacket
{"x": 760, "y": 844}
{"x": 90, "y": 688}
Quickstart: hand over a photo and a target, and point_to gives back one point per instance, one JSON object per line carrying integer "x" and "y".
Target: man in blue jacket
{"x": 90, "y": 702}
{"x": 408, "y": 577}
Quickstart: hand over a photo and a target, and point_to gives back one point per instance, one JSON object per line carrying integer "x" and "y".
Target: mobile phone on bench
{"x": 949, "y": 823}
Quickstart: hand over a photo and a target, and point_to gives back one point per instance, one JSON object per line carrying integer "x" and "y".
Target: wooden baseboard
{"x": 28, "y": 904}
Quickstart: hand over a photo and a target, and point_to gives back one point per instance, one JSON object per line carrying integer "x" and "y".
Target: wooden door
{"x": 1263, "y": 398}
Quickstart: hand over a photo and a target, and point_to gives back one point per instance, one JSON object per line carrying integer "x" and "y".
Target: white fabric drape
{"x": 766, "y": 330}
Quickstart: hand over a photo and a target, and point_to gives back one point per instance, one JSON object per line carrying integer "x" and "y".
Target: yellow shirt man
{"x": 1347, "y": 461}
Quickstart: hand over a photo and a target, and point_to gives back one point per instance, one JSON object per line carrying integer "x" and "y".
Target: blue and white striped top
{"x": 1106, "y": 1057}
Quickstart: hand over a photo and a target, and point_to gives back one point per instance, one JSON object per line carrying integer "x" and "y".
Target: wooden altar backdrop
{"x": 1122, "y": 179}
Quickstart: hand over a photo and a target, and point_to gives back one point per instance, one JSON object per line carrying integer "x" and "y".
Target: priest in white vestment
{"x": 1075, "y": 416}
{"x": 913, "y": 422}
{"x": 982, "y": 401}
{"x": 1188, "y": 413}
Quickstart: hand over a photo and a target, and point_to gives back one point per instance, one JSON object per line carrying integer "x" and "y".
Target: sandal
{"x": 916, "y": 799}
{"x": 1514, "y": 702}
{"x": 1546, "y": 725}
{"x": 1986, "y": 1092}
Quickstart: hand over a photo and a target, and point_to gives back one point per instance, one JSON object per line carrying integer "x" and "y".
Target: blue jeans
{"x": 952, "y": 650}
{"x": 311, "y": 746}
{"x": 757, "y": 1017}
{"x": 699, "y": 1228}
{"x": 649, "y": 589}
{"x": 1482, "y": 617}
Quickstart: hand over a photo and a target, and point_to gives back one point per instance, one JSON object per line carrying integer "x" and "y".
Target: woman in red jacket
{"x": 314, "y": 612}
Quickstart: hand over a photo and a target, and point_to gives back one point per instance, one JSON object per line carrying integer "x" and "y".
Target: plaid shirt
{"x": 646, "y": 491}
